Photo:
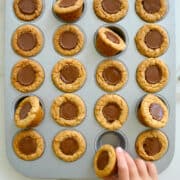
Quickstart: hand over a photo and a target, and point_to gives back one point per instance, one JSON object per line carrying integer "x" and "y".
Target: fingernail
{"x": 119, "y": 149}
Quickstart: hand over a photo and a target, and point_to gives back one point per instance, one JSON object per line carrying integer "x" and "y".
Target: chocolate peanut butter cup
{"x": 28, "y": 145}
{"x": 27, "y": 40}
{"x": 27, "y": 75}
{"x": 68, "y": 75}
{"x": 108, "y": 42}
{"x": 27, "y": 10}
{"x": 28, "y": 112}
{"x": 111, "y": 111}
{"x": 153, "y": 112}
{"x": 105, "y": 161}
{"x": 68, "y": 110}
{"x": 68, "y": 10}
{"x": 151, "y": 10}
{"x": 152, "y": 40}
{"x": 68, "y": 40}
{"x": 111, "y": 75}
{"x": 69, "y": 145}
{"x": 151, "y": 145}
{"x": 111, "y": 10}
{"x": 152, "y": 75}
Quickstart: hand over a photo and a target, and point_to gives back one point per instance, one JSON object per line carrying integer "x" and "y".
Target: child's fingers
{"x": 152, "y": 171}
{"x": 133, "y": 172}
{"x": 123, "y": 173}
{"x": 142, "y": 169}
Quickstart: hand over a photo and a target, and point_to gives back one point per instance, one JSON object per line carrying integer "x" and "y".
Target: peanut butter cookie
{"x": 111, "y": 111}
{"x": 108, "y": 42}
{"x": 68, "y": 10}
{"x": 152, "y": 40}
{"x": 28, "y": 145}
{"x": 27, "y": 75}
{"x": 151, "y": 145}
{"x": 28, "y": 10}
{"x": 68, "y": 40}
{"x": 68, "y": 75}
{"x": 153, "y": 112}
{"x": 151, "y": 10}
{"x": 68, "y": 110}
{"x": 111, "y": 10}
{"x": 27, "y": 40}
{"x": 111, "y": 75}
{"x": 69, "y": 145}
{"x": 29, "y": 112}
{"x": 152, "y": 75}
{"x": 105, "y": 161}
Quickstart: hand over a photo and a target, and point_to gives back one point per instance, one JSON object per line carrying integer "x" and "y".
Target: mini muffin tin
{"x": 48, "y": 165}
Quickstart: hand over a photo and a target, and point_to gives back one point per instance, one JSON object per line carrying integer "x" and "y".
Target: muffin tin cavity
{"x": 113, "y": 138}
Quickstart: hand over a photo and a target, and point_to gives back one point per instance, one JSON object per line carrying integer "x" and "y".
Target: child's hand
{"x": 129, "y": 169}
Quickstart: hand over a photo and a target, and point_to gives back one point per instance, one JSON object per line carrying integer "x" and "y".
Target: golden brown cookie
{"x": 68, "y": 75}
{"x": 29, "y": 112}
{"x": 108, "y": 42}
{"x": 111, "y": 75}
{"x": 151, "y": 145}
{"x": 28, "y": 145}
{"x": 152, "y": 75}
{"x": 68, "y": 10}
{"x": 27, "y": 10}
{"x": 151, "y": 10}
{"x": 111, "y": 10}
{"x": 27, "y": 40}
{"x": 111, "y": 111}
{"x": 27, "y": 75}
{"x": 153, "y": 112}
{"x": 152, "y": 40}
{"x": 69, "y": 145}
{"x": 68, "y": 40}
{"x": 68, "y": 110}
{"x": 105, "y": 161}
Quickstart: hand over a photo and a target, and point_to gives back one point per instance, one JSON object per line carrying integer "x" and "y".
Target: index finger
{"x": 123, "y": 172}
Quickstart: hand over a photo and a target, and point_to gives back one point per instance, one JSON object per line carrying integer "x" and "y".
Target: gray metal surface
{"x": 49, "y": 166}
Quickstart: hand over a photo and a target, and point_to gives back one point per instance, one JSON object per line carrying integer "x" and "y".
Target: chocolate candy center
{"x": 111, "y": 112}
{"x": 68, "y": 110}
{"x": 25, "y": 109}
{"x": 153, "y": 74}
{"x": 27, "y": 6}
{"x": 69, "y": 74}
{"x": 152, "y": 146}
{"x": 27, "y": 41}
{"x": 156, "y": 111}
{"x": 68, "y": 40}
{"x": 112, "y": 37}
{"x": 151, "y": 6}
{"x": 67, "y": 3}
{"x": 103, "y": 160}
{"x": 111, "y": 6}
{"x": 111, "y": 75}
{"x": 27, "y": 145}
{"x": 26, "y": 76}
{"x": 69, "y": 146}
{"x": 153, "y": 39}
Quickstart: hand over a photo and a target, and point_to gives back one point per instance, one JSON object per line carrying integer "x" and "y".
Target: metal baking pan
{"x": 49, "y": 166}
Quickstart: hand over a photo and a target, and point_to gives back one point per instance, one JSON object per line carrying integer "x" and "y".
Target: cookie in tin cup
{"x": 68, "y": 10}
